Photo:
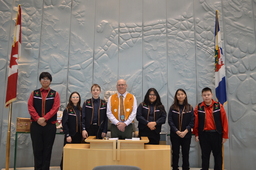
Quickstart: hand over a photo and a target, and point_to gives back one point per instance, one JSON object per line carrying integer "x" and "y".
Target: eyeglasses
{"x": 152, "y": 95}
{"x": 121, "y": 85}
{"x": 45, "y": 79}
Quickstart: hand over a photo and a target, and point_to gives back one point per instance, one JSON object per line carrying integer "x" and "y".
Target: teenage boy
{"x": 94, "y": 118}
{"x": 210, "y": 129}
{"x": 43, "y": 105}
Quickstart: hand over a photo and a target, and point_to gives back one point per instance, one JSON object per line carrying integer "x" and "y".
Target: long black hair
{"x": 175, "y": 104}
{"x": 70, "y": 103}
{"x": 158, "y": 99}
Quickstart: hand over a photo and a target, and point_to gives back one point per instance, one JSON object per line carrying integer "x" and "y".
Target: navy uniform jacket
{"x": 143, "y": 116}
{"x": 181, "y": 120}
{"x": 88, "y": 112}
{"x": 71, "y": 121}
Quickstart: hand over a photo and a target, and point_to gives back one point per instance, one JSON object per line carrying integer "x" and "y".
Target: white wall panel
{"x": 54, "y": 45}
{"x": 80, "y": 71}
{"x": 204, "y": 39}
{"x": 106, "y": 44}
{"x": 130, "y": 46}
{"x": 154, "y": 49}
{"x": 240, "y": 48}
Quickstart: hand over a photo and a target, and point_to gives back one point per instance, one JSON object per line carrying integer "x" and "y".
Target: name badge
{"x": 122, "y": 118}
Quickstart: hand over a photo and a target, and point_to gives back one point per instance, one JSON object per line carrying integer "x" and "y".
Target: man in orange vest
{"x": 121, "y": 111}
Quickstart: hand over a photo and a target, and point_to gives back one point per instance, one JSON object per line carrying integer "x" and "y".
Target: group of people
{"x": 208, "y": 121}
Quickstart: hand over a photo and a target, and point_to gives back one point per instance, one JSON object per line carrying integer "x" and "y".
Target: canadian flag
{"x": 11, "y": 91}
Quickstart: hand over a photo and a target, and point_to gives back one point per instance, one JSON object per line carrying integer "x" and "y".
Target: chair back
{"x": 116, "y": 167}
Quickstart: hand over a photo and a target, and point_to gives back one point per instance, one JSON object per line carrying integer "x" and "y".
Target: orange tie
{"x": 122, "y": 118}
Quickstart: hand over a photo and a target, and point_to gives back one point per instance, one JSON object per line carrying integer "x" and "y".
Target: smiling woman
{"x": 151, "y": 115}
{"x": 72, "y": 121}
{"x": 181, "y": 121}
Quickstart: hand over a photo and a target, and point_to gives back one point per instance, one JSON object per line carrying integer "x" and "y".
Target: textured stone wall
{"x": 166, "y": 44}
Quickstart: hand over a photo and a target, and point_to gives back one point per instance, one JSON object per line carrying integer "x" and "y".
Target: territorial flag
{"x": 220, "y": 73}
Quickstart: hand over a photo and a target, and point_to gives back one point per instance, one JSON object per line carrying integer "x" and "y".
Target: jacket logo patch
{"x": 103, "y": 104}
{"x": 200, "y": 108}
{"x": 37, "y": 93}
{"x": 89, "y": 102}
{"x": 51, "y": 94}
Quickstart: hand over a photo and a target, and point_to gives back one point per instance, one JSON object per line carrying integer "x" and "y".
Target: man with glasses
{"x": 121, "y": 111}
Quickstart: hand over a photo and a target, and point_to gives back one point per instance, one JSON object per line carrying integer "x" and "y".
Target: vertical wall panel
{"x": 80, "y": 69}
{"x": 204, "y": 27}
{"x": 54, "y": 49}
{"x": 154, "y": 48}
{"x": 239, "y": 26}
{"x": 106, "y": 44}
{"x": 181, "y": 57}
{"x": 254, "y": 14}
{"x": 130, "y": 45}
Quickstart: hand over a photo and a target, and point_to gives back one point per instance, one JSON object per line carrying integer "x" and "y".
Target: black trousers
{"x": 184, "y": 144}
{"x": 211, "y": 142}
{"x": 153, "y": 136}
{"x": 42, "y": 141}
{"x": 93, "y": 130}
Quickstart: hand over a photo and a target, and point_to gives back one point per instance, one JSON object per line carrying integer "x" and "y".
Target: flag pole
{"x": 222, "y": 157}
{"x": 216, "y": 30}
{"x": 8, "y": 139}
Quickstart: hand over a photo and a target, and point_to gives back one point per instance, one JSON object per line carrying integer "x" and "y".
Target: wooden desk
{"x": 116, "y": 152}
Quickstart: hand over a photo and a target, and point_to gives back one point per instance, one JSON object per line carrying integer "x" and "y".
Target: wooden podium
{"x": 116, "y": 152}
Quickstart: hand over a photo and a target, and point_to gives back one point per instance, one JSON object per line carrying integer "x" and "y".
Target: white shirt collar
{"x": 122, "y": 94}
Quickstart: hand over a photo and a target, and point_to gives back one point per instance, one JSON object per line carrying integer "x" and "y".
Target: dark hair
{"x": 175, "y": 104}
{"x": 95, "y": 85}
{"x": 45, "y": 74}
{"x": 70, "y": 103}
{"x": 158, "y": 99}
{"x": 206, "y": 89}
